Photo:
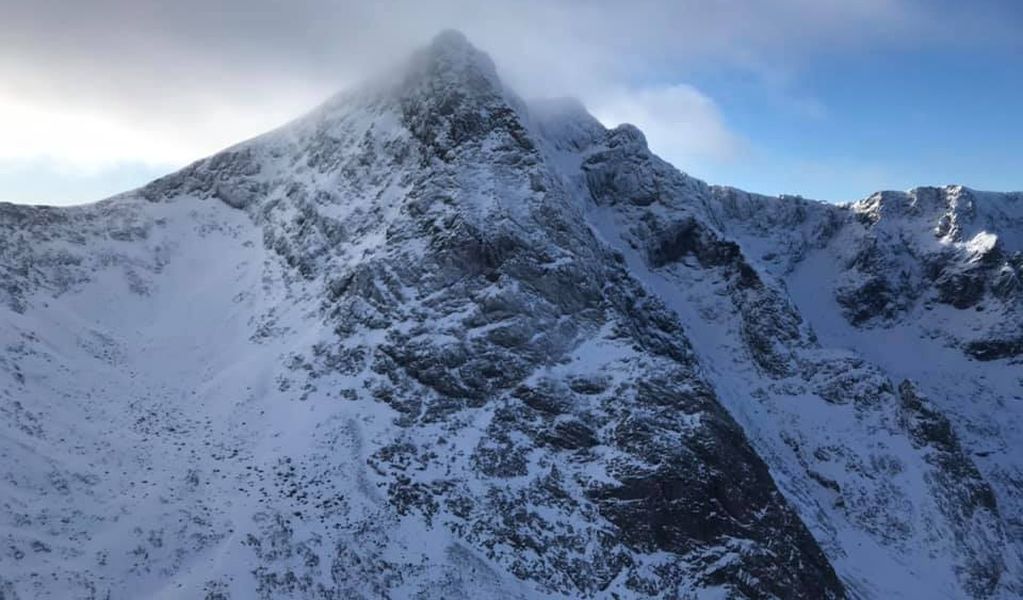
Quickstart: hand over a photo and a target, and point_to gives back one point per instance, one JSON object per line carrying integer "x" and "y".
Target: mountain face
{"x": 432, "y": 341}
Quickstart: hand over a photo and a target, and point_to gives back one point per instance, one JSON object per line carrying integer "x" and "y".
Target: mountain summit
{"x": 430, "y": 340}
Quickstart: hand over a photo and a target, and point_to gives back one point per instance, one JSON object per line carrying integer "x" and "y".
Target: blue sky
{"x": 877, "y": 120}
{"x": 823, "y": 98}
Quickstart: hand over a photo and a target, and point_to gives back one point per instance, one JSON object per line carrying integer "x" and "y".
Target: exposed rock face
{"x": 431, "y": 341}
{"x": 936, "y": 245}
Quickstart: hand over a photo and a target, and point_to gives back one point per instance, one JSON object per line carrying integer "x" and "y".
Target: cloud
{"x": 86, "y": 139}
{"x": 93, "y": 82}
{"x": 681, "y": 123}
{"x": 39, "y": 181}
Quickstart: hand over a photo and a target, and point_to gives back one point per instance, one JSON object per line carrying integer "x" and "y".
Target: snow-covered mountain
{"x": 432, "y": 341}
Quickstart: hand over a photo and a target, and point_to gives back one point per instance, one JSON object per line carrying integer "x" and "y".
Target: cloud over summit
{"x": 171, "y": 81}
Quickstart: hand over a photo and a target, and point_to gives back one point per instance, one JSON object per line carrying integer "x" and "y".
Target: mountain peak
{"x": 451, "y": 94}
{"x": 451, "y": 58}
{"x": 451, "y": 40}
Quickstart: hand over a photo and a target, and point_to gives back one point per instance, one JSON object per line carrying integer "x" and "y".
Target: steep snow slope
{"x": 429, "y": 341}
{"x": 876, "y": 472}
{"x": 925, "y": 284}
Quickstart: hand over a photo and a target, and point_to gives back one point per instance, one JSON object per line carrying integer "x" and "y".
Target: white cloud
{"x": 78, "y": 139}
{"x": 96, "y": 82}
{"x": 86, "y": 140}
{"x": 681, "y": 124}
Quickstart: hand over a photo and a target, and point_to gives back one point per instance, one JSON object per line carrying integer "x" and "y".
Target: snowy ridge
{"x": 432, "y": 341}
{"x": 839, "y": 432}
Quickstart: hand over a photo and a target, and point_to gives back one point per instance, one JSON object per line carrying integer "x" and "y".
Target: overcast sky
{"x": 826, "y": 98}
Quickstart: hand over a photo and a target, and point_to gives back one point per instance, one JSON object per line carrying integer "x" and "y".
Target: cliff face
{"x": 432, "y": 341}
